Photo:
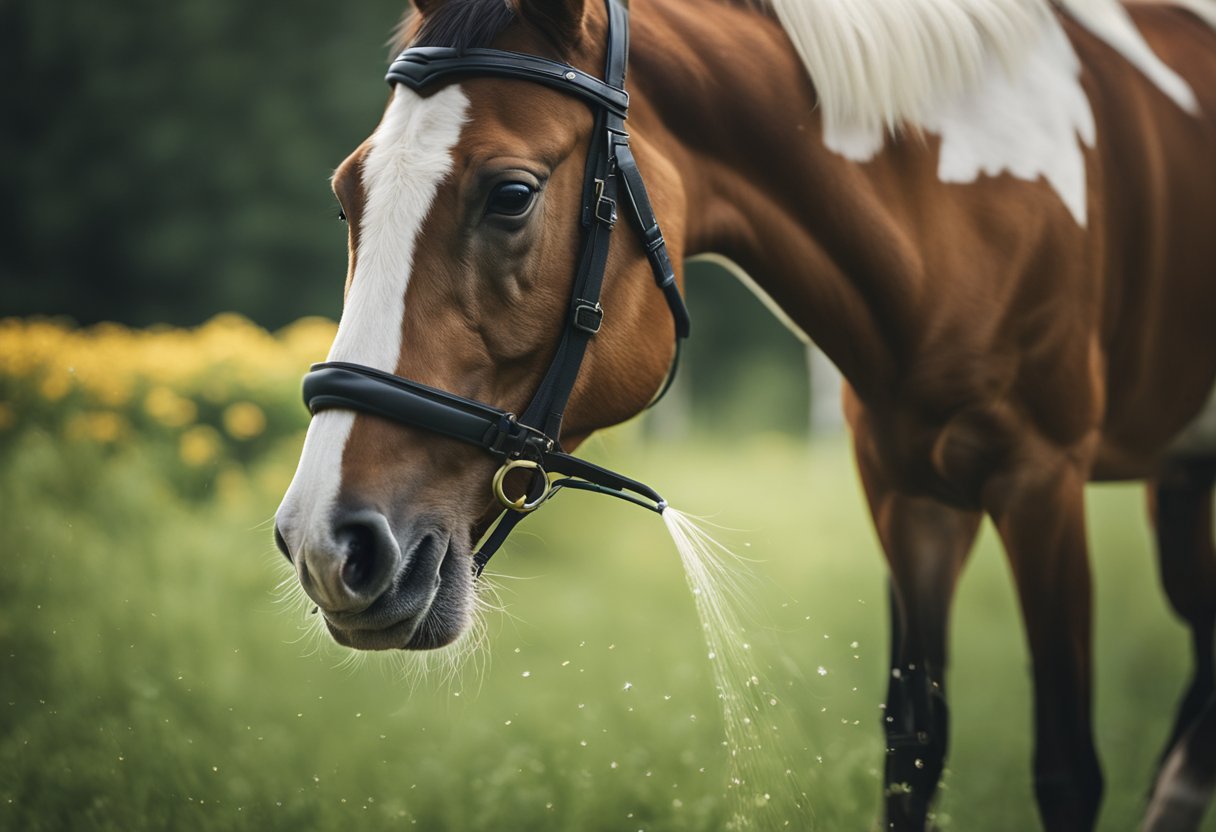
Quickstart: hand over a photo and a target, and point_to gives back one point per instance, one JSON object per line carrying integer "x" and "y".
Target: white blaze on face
{"x": 408, "y": 157}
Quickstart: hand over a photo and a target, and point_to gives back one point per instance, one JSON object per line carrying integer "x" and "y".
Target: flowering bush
{"x": 210, "y": 399}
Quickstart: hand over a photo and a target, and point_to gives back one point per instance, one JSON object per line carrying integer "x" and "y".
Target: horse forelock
{"x": 460, "y": 24}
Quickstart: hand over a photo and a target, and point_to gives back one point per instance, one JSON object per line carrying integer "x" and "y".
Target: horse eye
{"x": 341, "y": 215}
{"x": 510, "y": 199}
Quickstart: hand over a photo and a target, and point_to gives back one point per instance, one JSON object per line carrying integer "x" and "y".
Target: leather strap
{"x": 338, "y": 384}
{"x": 420, "y": 67}
{"x": 652, "y": 239}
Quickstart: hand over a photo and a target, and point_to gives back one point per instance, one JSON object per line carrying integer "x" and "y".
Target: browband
{"x": 422, "y": 66}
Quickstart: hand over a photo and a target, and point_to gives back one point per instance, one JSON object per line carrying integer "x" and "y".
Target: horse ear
{"x": 561, "y": 20}
{"x": 426, "y": 7}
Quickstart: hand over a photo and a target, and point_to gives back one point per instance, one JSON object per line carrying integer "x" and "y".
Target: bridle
{"x": 530, "y": 442}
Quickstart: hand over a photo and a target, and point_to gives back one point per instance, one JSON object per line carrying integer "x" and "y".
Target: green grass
{"x": 148, "y": 679}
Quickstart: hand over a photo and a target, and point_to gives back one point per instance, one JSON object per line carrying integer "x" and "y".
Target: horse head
{"x": 465, "y": 214}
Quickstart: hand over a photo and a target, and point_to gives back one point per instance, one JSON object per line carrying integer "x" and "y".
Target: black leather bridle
{"x": 530, "y": 441}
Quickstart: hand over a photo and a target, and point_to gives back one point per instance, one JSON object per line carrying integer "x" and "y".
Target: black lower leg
{"x": 1182, "y": 497}
{"x": 916, "y": 724}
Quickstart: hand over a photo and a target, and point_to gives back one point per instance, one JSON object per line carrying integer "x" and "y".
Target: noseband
{"x": 530, "y": 442}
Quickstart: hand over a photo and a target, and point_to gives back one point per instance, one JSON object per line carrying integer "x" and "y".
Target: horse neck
{"x": 719, "y": 91}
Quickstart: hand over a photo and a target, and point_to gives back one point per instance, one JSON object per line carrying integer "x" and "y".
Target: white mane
{"x": 883, "y": 63}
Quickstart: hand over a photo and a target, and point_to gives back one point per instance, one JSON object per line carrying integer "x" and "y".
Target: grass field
{"x": 150, "y": 680}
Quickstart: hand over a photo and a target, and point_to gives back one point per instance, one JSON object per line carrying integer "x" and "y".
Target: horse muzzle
{"x": 377, "y": 589}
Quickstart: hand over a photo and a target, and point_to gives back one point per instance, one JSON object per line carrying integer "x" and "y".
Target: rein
{"x": 530, "y": 442}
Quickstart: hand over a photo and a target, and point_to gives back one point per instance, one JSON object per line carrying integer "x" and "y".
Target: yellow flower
{"x": 112, "y": 391}
{"x": 98, "y": 425}
{"x": 244, "y": 420}
{"x": 55, "y": 386}
{"x": 306, "y": 340}
{"x": 168, "y": 408}
{"x": 199, "y": 445}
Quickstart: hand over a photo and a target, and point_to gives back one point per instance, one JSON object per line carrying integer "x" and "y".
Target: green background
{"x": 169, "y": 161}
{"x": 150, "y": 679}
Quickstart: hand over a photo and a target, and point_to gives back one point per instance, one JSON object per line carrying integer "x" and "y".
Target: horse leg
{"x": 926, "y": 544}
{"x": 1039, "y": 512}
{"x": 1180, "y": 500}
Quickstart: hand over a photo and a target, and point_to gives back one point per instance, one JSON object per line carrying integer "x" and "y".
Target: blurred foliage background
{"x": 170, "y": 263}
{"x": 170, "y": 162}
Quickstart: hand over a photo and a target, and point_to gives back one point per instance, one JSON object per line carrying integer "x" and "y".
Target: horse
{"x": 995, "y": 217}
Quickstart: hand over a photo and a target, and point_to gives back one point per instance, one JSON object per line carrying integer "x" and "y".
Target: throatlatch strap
{"x": 652, "y": 238}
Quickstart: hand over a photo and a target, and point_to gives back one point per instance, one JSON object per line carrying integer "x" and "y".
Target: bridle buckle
{"x": 588, "y": 317}
{"x": 521, "y": 504}
{"x": 605, "y": 207}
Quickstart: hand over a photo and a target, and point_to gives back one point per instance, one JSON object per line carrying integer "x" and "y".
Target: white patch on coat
{"x": 408, "y": 157}
{"x": 1026, "y": 116}
{"x": 1029, "y": 122}
{"x": 1112, "y": 23}
{"x": 1205, "y": 10}
{"x": 998, "y": 80}
{"x": 877, "y": 64}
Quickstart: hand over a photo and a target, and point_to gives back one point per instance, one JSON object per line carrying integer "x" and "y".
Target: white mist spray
{"x": 764, "y": 792}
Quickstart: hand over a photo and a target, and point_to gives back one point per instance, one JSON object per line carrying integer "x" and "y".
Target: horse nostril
{"x": 346, "y": 570}
{"x": 368, "y": 556}
{"x": 360, "y": 565}
{"x": 281, "y": 542}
